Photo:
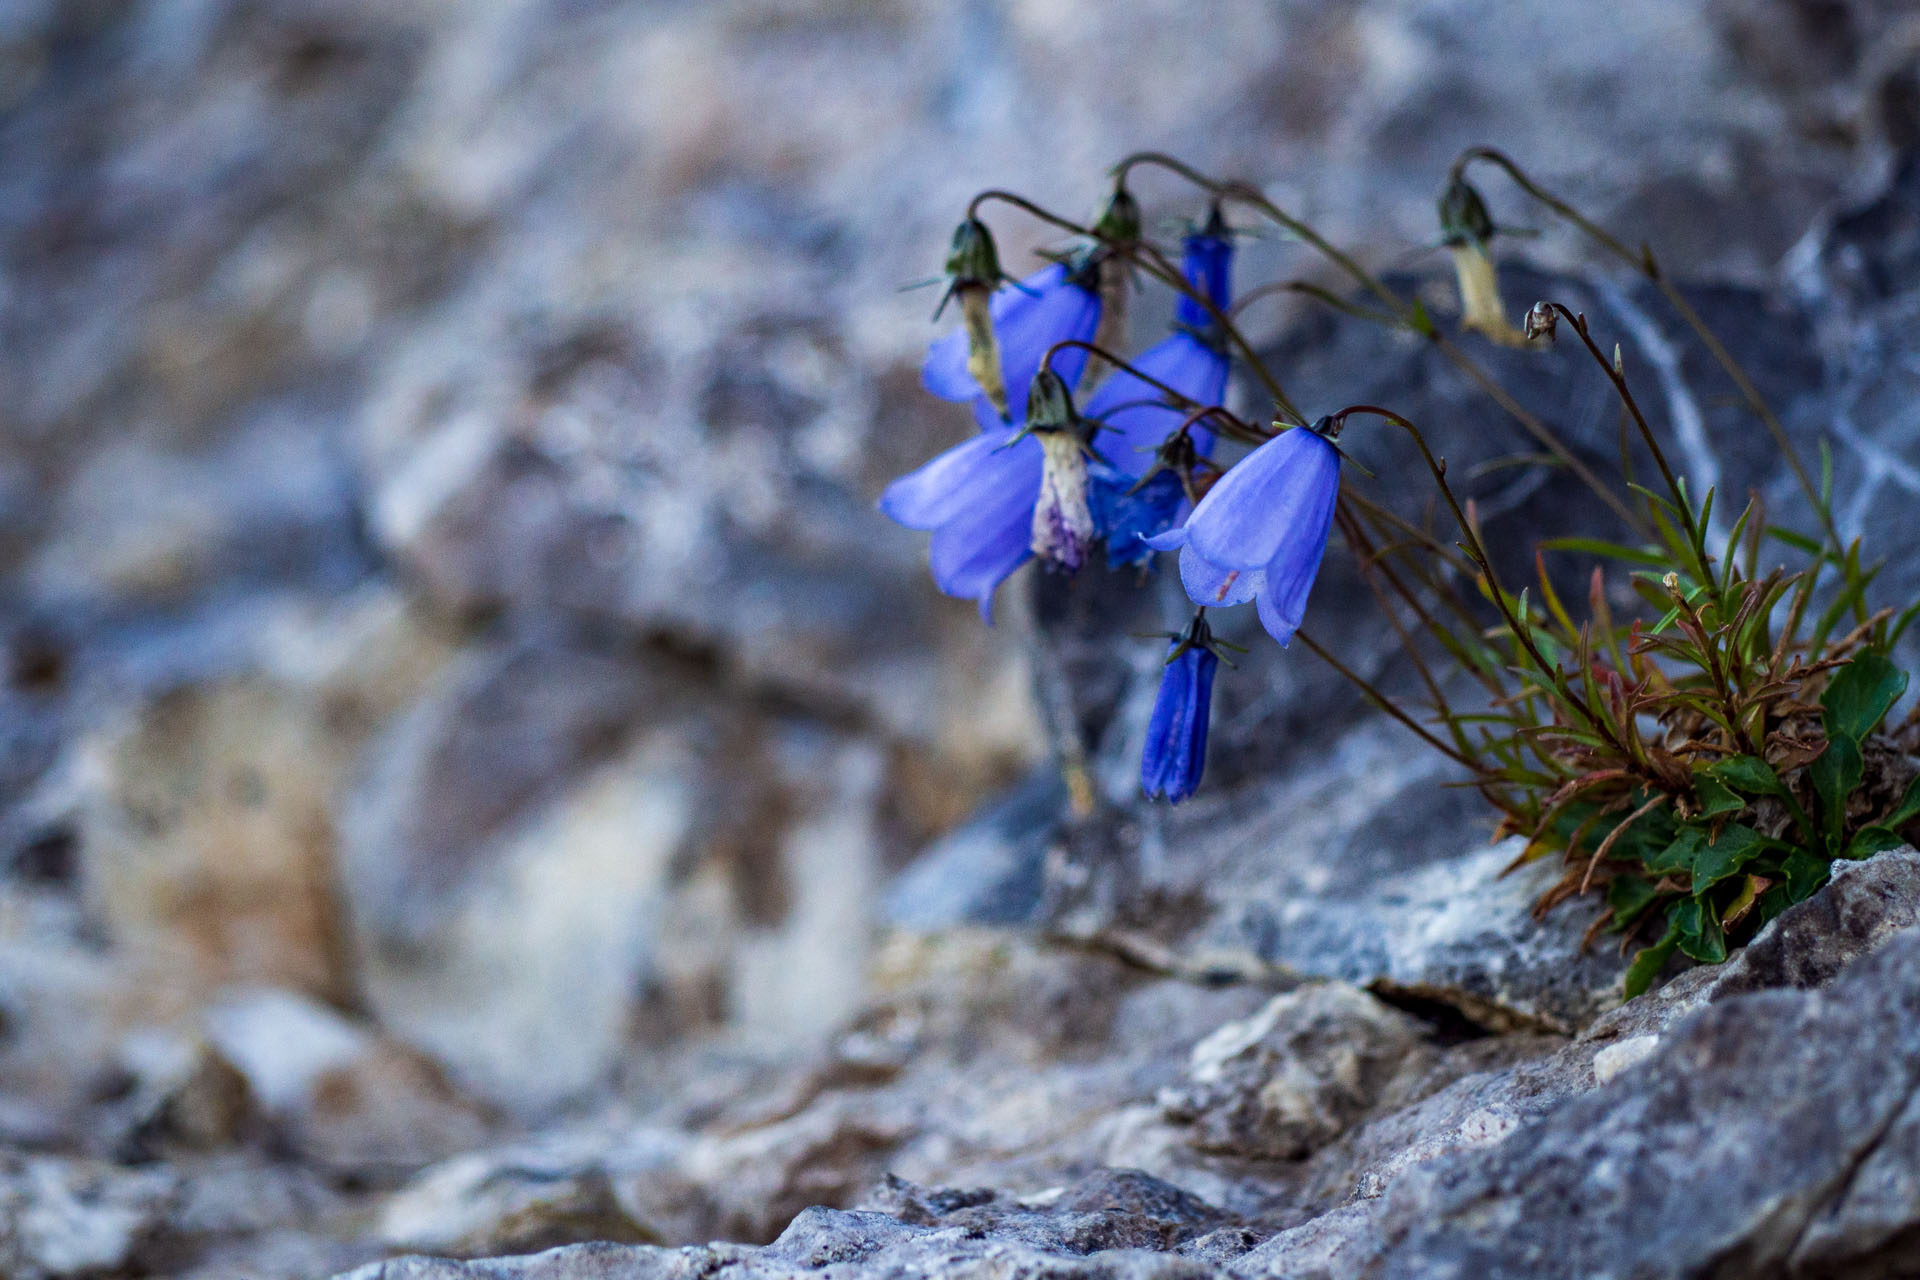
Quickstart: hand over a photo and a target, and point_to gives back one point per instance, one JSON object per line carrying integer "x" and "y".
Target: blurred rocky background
{"x": 477, "y": 773}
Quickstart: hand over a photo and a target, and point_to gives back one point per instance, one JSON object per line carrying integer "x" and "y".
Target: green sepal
{"x": 972, "y": 259}
{"x": 1119, "y": 222}
{"x": 1463, "y": 215}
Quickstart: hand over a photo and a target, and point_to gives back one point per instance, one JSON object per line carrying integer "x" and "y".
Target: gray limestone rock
{"x": 1294, "y": 1076}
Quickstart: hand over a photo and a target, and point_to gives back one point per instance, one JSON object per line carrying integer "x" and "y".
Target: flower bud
{"x": 1118, "y": 224}
{"x": 1542, "y": 321}
{"x": 973, "y": 272}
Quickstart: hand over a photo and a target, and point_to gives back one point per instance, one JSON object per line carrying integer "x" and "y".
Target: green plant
{"x": 1698, "y": 752}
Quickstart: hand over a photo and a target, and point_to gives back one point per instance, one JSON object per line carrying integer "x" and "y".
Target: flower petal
{"x": 1210, "y": 585}
{"x": 1172, "y": 540}
{"x": 1290, "y": 575}
{"x": 976, "y": 550}
{"x": 1134, "y": 415}
{"x": 956, "y": 481}
{"x": 1253, "y": 510}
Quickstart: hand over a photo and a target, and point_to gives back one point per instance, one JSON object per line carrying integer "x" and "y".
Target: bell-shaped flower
{"x": 1055, "y": 304}
{"x": 1259, "y": 533}
{"x": 1176, "y": 748}
{"x": 978, "y": 500}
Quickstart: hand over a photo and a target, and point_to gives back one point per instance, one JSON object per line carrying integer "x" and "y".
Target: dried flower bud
{"x": 1480, "y": 307}
{"x": 973, "y": 271}
{"x": 1063, "y": 525}
{"x": 1542, "y": 321}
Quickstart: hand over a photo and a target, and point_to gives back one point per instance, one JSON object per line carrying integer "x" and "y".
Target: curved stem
{"x": 1232, "y": 422}
{"x": 1474, "y": 548}
{"x": 1021, "y": 202}
{"x": 1155, "y": 263}
{"x": 1160, "y": 268}
{"x": 1387, "y": 705}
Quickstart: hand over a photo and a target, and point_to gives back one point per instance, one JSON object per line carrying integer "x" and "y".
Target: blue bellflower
{"x": 978, "y": 500}
{"x": 1176, "y": 747}
{"x": 1051, "y": 305}
{"x": 1260, "y": 532}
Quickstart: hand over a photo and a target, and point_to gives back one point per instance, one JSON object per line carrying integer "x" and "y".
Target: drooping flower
{"x": 978, "y": 499}
{"x": 1260, "y": 532}
{"x": 1467, "y": 229}
{"x": 1176, "y": 749}
{"x": 1054, "y": 304}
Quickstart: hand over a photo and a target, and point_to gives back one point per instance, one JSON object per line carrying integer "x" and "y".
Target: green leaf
{"x": 1715, "y": 796}
{"x": 1607, "y": 550}
{"x": 1630, "y": 896}
{"x": 1700, "y": 933}
{"x": 1805, "y": 874}
{"x": 1750, "y": 775}
{"x": 1836, "y": 774}
{"x": 1860, "y": 694}
{"x": 1679, "y": 855}
{"x": 1736, "y": 846}
{"x": 1649, "y": 961}
{"x": 1798, "y": 541}
{"x": 1868, "y": 841}
{"x": 1908, "y": 809}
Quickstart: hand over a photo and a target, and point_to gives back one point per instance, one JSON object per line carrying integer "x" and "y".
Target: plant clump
{"x": 1699, "y": 737}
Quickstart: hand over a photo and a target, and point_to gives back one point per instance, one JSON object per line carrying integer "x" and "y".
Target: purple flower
{"x": 1260, "y": 532}
{"x": 1176, "y": 748}
{"x": 978, "y": 499}
{"x": 1051, "y": 305}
